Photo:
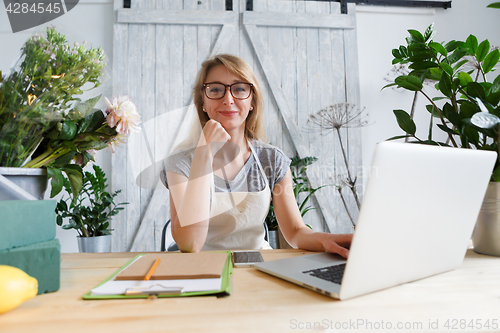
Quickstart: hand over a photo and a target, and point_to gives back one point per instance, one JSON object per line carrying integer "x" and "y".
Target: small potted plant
{"x": 467, "y": 108}
{"x": 298, "y": 167}
{"x": 89, "y": 211}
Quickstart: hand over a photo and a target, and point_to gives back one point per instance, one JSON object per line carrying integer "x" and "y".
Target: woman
{"x": 220, "y": 191}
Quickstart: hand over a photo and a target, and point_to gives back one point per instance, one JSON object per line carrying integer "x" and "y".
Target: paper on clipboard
{"x": 114, "y": 287}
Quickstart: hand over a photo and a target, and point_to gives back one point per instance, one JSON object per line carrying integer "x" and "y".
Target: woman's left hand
{"x": 338, "y": 243}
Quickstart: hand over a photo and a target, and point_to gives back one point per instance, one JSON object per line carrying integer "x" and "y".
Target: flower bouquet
{"x": 79, "y": 135}
{"x": 43, "y": 123}
{"x": 34, "y": 97}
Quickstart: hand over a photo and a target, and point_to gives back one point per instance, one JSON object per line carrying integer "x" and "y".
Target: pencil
{"x": 151, "y": 270}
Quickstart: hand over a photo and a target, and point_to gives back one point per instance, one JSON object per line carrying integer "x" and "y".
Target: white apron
{"x": 237, "y": 218}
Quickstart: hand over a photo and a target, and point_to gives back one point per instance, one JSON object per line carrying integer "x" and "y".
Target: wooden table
{"x": 457, "y": 301}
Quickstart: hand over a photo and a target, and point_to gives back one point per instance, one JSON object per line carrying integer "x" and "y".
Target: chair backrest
{"x": 174, "y": 247}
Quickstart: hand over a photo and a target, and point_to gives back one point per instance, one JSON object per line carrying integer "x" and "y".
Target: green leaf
{"x": 423, "y": 65}
{"x": 471, "y": 44}
{"x": 435, "y": 74}
{"x": 421, "y": 56}
{"x": 494, "y": 5}
{"x": 468, "y": 109}
{"x": 452, "y": 45}
{"x": 83, "y": 109}
{"x": 409, "y": 82}
{"x": 432, "y": 110}
{"x": 460, "y": 64}
{"x": 389, "y": 85}
{"x": 405, "y": 122}
{"x": 396, "y": 53}
{"x": 415, "y": 47}
{"x": 416, "y": 35}
{"x": 56, "y": 180}
{"x": 447, "y": 68}
{"x": 464, "y": 79}
{"x": 471, "y": 134}
{"x": 491, "y": 60}
{"x": 92, "y": 121}
{"x": 450, "y": 114}
{"x": 75, "y": 176}
{"x": 456, "y": 56}
{"x": 399, "y": 137}
{"x": 439, "y": 48}
{"x": 65, "y": 159}
{"x": 493, "y": 96}
{"x": 59, "y": 220}
{"x": 445, "y": 85}
{"x": 482, "y": 50}
{"x": 447, "y": 129}
{"x": 429, "y": 32}
{"x": 68, "y": 130}
{"x": 403, "y": 51}
{"x": 475, "y": 89}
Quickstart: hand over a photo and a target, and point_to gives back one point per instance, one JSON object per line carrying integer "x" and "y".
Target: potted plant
{"x": 89, "y": 211}
{"x": 466, "y": 109}
{"x": 298, "y": 167}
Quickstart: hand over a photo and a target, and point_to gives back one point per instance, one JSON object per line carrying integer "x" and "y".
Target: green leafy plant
{"x": 298, "y": 167}
{"x": 43, "y": 123}
{"x": 46, "y": 84}
{"x": 469, "y": 99}
{"x": 91, "y": 210}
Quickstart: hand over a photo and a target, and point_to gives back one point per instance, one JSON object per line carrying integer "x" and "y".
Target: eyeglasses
{"x": 239, "y": 90}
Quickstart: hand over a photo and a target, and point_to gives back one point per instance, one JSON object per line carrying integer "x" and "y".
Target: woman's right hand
{"x": 214, "y": 136}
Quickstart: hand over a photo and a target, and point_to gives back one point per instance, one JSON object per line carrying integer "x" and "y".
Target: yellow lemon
{"x": 16, "y": 287}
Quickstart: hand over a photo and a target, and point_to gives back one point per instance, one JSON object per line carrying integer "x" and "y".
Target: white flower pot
{"x": 486, "y": 235}
{"x": 94, "y": 244}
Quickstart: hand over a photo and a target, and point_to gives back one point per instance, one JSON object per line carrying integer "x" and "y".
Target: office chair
{"x": 174, "y": 247}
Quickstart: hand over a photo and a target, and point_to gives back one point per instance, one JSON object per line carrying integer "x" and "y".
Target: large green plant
{"x": 93, "y": 207}
{"x": 469, "y": 93}
{"x": 298, "y": 168}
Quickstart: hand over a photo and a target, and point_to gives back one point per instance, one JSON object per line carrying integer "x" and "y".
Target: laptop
{"x": 419, "y": 209}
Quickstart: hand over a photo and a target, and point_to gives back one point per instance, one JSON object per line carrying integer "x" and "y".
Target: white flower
{"x": 122, "y": 113}
{"x": 119, "y": 140}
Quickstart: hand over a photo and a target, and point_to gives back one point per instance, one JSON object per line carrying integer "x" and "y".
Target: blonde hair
{"x": 254, "y": 125}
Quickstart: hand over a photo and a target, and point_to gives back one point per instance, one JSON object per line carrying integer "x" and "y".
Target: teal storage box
{"x": 25, "y": 222}
{"x": 41, "y": 261}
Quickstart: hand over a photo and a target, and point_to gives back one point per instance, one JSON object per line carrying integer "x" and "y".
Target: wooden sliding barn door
{"x": 304, "y": 54}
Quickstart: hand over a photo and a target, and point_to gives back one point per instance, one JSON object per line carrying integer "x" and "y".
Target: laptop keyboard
{"x": 330, "y": 273}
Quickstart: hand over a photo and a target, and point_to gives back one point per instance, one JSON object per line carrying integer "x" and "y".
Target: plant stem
{"x": 48, "y": 157}
{"x": 412, "y": 112}
{"x": 349, "y": 178}
{"x": 38, "y": 159}
{"x": 441, "y": 117}
{"x": 345, "y": 206}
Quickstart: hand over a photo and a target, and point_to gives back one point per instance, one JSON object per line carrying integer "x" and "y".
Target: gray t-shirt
{"x": 274, "y": 162}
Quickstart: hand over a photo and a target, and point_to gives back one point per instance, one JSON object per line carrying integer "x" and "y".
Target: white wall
{"x": 380, "y": 29}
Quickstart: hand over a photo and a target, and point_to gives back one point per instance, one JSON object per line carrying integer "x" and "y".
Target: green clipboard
{"x": 224, "y": 290}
